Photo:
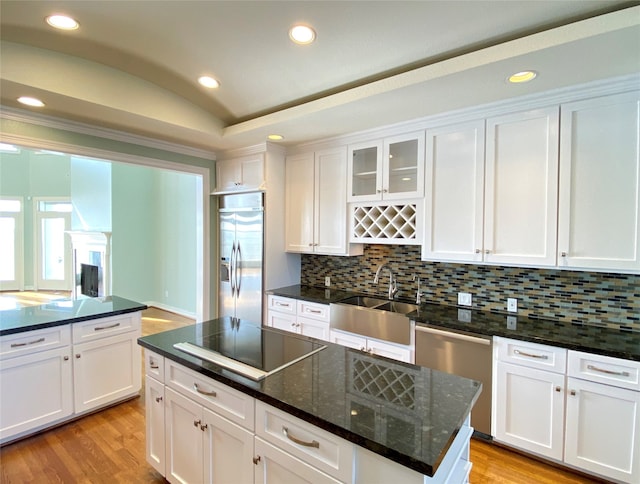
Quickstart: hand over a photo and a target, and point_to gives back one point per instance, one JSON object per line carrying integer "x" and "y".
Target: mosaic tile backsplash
{"x": 583, "y": 297}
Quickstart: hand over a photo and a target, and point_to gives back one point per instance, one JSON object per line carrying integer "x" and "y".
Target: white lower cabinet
{"x": 373, "y": 346}
{"x": 35, "y": 390}
{"x": 301, "y": 317}
{"x": 53, "y": 374}
{"x": 201, "y": 431}
{"x": 202, "y": 446}
{"x": 275, "y": 466}
{"x": 105, "y": 370}
{"x": 569, "y": 406}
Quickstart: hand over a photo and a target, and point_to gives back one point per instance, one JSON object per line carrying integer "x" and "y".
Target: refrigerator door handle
{"x": 238, "y": 270}
{"x": 232, "y": 269}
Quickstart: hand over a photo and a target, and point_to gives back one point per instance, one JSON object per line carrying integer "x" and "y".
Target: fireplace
{"x": 91, "y": 263}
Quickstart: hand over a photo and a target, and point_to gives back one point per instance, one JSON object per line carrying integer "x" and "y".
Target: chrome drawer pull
{"x": 314, "y": 311}
{"x": 531, "y": 355}
{"x": 153, "y": 366}
{"x": 100, "y": 328}
{"x": 283, "y": 305}
{"x": 203, "y": 392}
{"x": 313, "y": 443}
{"x": 35, "y": 341}
{"x": 608, "y": 372}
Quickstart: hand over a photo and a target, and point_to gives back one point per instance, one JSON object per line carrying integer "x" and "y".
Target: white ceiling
{"x": 132, "y": 65}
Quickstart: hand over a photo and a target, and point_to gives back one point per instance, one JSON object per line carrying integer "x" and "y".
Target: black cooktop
{"x": 250, "y": 350}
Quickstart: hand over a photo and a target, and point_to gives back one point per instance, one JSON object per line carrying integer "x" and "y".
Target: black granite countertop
{"x": 351, "y": 394}
{"x": 64, "y": 311}
{"x": 619, "y": 343}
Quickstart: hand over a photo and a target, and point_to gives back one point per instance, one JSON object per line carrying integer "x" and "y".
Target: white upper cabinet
{"x": 316, "y": 205}
{"x": 492, "y": 197}
{"x": 391, "y": 169}
{"x": 521, "y": 188}
{"x": 240, "y": 174}
{"x": 599, "y": 184}
{"x": 454, "y": 192}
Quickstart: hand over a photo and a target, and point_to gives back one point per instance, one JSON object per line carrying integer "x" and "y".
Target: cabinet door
{"x": 364, "y": 172}
{"x": 403, "y": 166}
{"x": 46, "y": 398}
{"x": 529, "y": 409}
{"x": 183, "y": 439}
{"x": 380, "y": 348}
{"x": 600, "y": 183}
{"x": 349, "y": 340}
{"x": 275, "y": 466}
{"x": 240, "y": 174}
{"x": 284, "y": 321}
{"x": 299, "y": 199}
{"x": 228, "y": 451}
{"x": 521, "y": 188}
{"x": 252, "y": 173}
{"x": 330, "y": 227}
{"x": 603, "y": 429}
{"x": 314, "y": 328}
{"x": 455, "y": 193}
{"x": 154, "y": 413}
{"x": 106, "y": 370}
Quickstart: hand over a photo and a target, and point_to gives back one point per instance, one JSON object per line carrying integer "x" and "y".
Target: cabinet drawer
{"x": 99, "y": 328}
{"x": 281, "y": 304}
{"x": 604, "y": 369}
{"x": 532, "y": 355}
{"x": 33, "y": 341}
{"x": 313, "y": 310}
{"x": 319, "y": 448}
{"x": 154, "y": 365}
{"x": 226, "y": 401}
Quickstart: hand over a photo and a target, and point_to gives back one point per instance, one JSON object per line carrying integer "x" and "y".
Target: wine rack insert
{"x": 385, "y": 223}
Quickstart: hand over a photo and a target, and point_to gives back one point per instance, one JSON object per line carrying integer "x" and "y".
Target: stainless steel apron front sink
{"x": 375, "y": 318}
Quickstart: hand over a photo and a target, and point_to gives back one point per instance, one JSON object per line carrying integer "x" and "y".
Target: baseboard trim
{"x": 171, "y": 309}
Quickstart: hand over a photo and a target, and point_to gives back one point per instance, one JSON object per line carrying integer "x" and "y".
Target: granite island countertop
{"x": 64, "y": 311}
{"x": 350, "y": 394}
{"x": 619, "y": 343}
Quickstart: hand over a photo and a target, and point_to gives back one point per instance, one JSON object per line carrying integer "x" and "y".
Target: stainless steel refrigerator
{"x": 241, "y": 223}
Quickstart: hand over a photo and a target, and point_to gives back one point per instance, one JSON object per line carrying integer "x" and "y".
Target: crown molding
{"x": 19, "y": 115}
{"x": 532, "y": 101}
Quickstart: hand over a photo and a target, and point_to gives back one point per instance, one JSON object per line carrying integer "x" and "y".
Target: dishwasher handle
{"x": 448, "y": 334}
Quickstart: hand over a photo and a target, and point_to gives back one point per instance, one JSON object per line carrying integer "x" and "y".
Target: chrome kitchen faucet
{"x": 393, "y": 286}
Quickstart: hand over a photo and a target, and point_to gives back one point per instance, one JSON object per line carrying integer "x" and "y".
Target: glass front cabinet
{"x": 389, "y": 169}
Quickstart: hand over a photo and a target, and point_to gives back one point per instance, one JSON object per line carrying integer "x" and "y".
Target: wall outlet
{"x": 327, "y": 281}
{"x": 512, "y": 305}
{"x": 512, "y": 322}
{"x": 464, "y": 299}
{"x": 166, "y": 294}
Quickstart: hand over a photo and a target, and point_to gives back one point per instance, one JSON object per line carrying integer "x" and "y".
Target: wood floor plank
{"x": 109, "y": 447}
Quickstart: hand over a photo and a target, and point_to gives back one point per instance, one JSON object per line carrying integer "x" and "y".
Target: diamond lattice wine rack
{"x": 381, "y": 223}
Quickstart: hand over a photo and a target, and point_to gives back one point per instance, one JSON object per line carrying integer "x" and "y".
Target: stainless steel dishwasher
{"x": 464, "y": 355}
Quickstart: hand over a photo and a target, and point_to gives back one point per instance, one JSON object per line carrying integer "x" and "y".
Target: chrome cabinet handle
{"x": 204, "y": 427}
{"x": 284, "y": 305}
{"x": 313, "y": 311}
{"x": 563, "y": 254}
{"x": 313, "y": 443}
{"x": 35, "y": 341}
{"x": 158, "y": 399}
{"x": 100, "y": 328}
{"x": 487, "y": 251}
{"x": 256, "y": 459}
{"x": 573, "y": 393}
{"x": 531, "y": 355}
{"x": 558, "y": 389}
{"x": 153, "y": 365}
{"x": 196, "y": 423}
{"x": 608, "y": 372}
{"x": 66, "y": 358}
{"x": 204, "y": 392}
{"x": 77, "y": 355}
{"x": 478, "y": 251}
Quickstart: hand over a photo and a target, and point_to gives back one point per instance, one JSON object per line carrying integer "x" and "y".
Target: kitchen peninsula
{"x": 337, "y": 415}
{"x": 80, "y": 353}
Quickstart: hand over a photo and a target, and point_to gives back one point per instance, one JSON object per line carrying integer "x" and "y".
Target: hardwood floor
{"x": 109, "y": 446}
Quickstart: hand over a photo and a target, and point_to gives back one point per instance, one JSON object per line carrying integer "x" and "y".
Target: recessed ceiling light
{"x": 522, "y": 76}
{"x": 30, "y": 101}
{"x": 62, "y": 22}
{"x": 209, "y": 82}
{"x": 275, "y": 137}
{"x": 302, "y": 34}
